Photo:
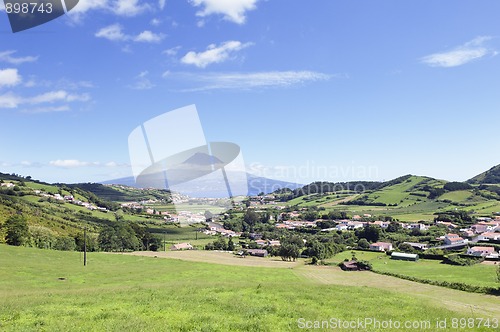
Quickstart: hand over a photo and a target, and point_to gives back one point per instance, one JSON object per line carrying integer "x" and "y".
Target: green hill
{"x": 491, "y": 176}
{"x": 50, "y": 215}
{"x": 407, "y": 198}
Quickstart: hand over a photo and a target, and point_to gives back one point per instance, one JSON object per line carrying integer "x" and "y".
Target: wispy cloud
{"x": 12, "y": 100}
{"x": 126, "y": 8}
{"x": 129, "y": 7}
{"x": 172, "y": 51}
{"x": 214, "y": 54}
{"x": 112, "y": 32}
{"x": 9, "y": 77}
{"x": 149, "y": 37}
{"x": 142, "y": 82}
{"x": 115, "y": 32}
{"x": 247, "y": 81}
{"x": 231, "y": 10}
{"x": 75, "y": 163}
{"x": 161, "y": 4}
{"x": 461, "y": 55}
{"x": 71, "y": 163}
{"x": 7, "y": 56}
{"x": 48, "y": 109}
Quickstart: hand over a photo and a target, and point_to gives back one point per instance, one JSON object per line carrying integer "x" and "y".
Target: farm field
{"x": 479, "y": 274}
{"x": 52, "y": 291}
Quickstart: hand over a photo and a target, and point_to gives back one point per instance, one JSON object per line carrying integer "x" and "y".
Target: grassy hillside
{"x": 35, "y": 200}
{"x": 409, "y": 198}
{"x": 52, "y": 291}
{"x": 491, "y": 176}
{"x": 477, "y": 275}
{"x": 119, "y": 193}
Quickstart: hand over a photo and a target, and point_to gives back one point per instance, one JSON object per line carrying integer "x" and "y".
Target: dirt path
{"x": 464, "y": 303}
{"x": 218, "y": 257}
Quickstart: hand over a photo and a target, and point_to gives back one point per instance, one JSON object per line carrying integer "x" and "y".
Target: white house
{"x": 453, "y": 239}
{"x": 381, "y": 246}
{"x": 181, "y": 246}
{"x": 489, "y": 236}
{"x": 481, "y": 251}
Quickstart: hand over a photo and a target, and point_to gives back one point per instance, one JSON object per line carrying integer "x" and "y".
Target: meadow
{"x": 478, "y": 275}
{"x": 44, "y": 290}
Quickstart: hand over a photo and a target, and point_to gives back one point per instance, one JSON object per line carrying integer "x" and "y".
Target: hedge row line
{"x": 453, "y": 285}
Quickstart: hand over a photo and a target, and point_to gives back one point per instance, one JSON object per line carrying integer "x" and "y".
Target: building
{"x": 350, "y": 266}
{"x": 481, "y": 251}
{"x": 451, "y": 239}
{"x": 420, "y": 246}
{"x": 489, "y": 236}
{"x": 381, "y": 246}
{"x": 181, "y": 246}
{"x": 404, "y": 257}
{"x": 257, "y": 252}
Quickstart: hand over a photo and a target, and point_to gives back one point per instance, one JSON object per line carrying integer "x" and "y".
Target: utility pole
{"x": 84, "y": 246}
{"x": 165, "y": 241}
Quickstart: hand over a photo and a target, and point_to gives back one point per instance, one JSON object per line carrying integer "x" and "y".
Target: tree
{"x": 17, "y": 230}
{"x": 118, "y": 237}
{"x": 42, "y": 237}
{"x": 394, "y": 227}
{"x": 370, "y": 233}
{"x": 363, "y": 244}
{"x": 230, "y": 245}
{"x": 66, "y": 243}
{"x": 290, "y": 247}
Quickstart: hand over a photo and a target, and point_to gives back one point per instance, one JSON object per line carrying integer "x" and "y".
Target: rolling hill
{"x": 491, "y": 176}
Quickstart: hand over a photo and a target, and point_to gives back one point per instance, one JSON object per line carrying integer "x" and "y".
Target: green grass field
{"x": 479, "y": 274}
{"x": 128, "y": 293}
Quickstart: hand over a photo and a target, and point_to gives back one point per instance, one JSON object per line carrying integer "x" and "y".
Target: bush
{"x": 453, "y": 285}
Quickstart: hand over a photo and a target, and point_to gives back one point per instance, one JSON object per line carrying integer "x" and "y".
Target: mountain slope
{"x": 255, "y": 184}
{"x": 491, "y": 176}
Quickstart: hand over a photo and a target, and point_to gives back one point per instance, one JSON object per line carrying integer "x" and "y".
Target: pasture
{"x": 44, "y": 290}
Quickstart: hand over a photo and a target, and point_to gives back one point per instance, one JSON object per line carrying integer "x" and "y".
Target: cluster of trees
{"x": 119, "y": 236}
{"x": 221, "y": 244}
{"x": 459, "y": 217}
{"x": 123, "y": 236}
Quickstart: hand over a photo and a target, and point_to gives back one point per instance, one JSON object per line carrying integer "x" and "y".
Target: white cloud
{"x": 470, "y": 51}
{"x": 232, "y": 10}
{"x": 115, "y": 32}
{"x": 149, "y": 37}
{"x": 112, "y": 32}
{"x": 118, "y": 7}
{"x": 84, "y": 6}
{"x": 155, "y": 22}
{"x": 172, "y": 51}
{"x": 71, "y": 163}
{"x": 75, "y": 163}
{"x": 6, "y": 56}
{"x": 161, "y": 4}
{"x": 9, "y": 77}
{"x": 142, "y": 82}
{"x": 213, "y": 54}
{"x": 49, "y": 109}
{"x": 248, "y": 81}
{"x": 129, "y": 7}
{"x": 11, "y": 100}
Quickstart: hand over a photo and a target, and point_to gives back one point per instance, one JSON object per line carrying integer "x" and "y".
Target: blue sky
{"x": 310, "y": 90}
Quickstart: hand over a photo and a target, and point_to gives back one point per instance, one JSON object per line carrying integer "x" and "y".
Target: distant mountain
{"x": 256, "y": 185}
{"x": 491, "y": 176}
{"x": 203, "y": 159}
